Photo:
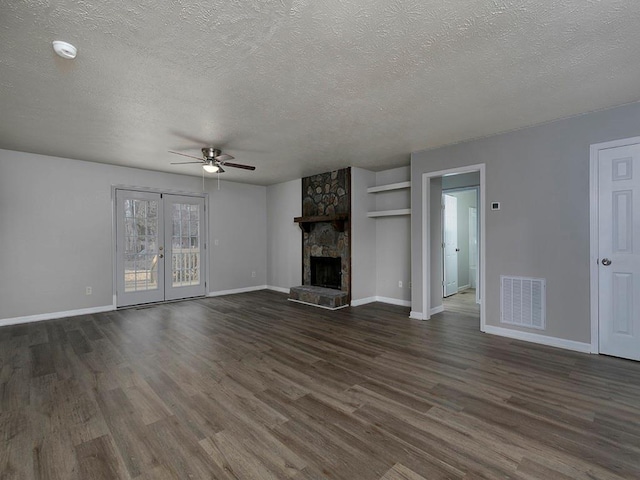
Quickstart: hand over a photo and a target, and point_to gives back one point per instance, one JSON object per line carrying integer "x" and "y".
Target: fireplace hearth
{"x": 326, "y": 272}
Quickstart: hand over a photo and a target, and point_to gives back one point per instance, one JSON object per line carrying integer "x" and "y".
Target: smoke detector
{"x": 64, "y": 49}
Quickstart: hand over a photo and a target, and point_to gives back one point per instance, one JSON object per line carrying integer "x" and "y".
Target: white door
{"x": 619, "y": 251}
{"x": 159, "y": 247}
{"x": 184, "y": 272}
{"x": 450, "y": 244}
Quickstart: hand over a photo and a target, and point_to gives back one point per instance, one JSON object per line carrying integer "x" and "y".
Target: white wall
{"x": 56, "y": 231}
{"x": 541, "y": 177}
{"x": 284, "y": 237}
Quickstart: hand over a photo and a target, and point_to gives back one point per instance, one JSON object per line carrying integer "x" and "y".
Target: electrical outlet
{"x": 88, "y": 290}
{"x": 216, "y": 242}
{"x": 253, "y": 274}
{"x": 400, "y": 284}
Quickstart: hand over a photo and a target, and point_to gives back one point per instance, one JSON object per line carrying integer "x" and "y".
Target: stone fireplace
{"x": 326, "y": 246}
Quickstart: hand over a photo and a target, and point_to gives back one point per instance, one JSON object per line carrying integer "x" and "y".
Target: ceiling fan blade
{"x": 185, "y": 155}
{"x": 183, "y": 163}
{"x": 239, "y": 165}
{"x": 224, "y": 157}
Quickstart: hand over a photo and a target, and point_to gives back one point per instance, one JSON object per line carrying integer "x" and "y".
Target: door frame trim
{"x": 594, "y": 151}
{"x": 426, "y": 237}
{"x": 114, "y": 236}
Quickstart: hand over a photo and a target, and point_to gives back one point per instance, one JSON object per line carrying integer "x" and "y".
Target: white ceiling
{"x": 297, "y": 87}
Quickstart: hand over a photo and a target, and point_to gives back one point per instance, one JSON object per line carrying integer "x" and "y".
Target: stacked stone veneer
{"x": 327, "y": 194}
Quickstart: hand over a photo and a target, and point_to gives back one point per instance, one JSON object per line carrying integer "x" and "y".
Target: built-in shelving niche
{"x": 387, "y": 188}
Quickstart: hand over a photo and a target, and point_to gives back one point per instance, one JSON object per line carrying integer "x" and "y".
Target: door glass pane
{"x": 141, "y": 245}
{"x": 185, "y": 252}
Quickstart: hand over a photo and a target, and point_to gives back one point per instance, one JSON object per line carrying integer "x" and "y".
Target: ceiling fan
{"x": 213, "y": 160}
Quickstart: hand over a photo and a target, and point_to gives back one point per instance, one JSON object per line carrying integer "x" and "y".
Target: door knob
{"x": 606, "y": 262}
{"x": 161, "y": 256}
{"x": 457, "y": 249}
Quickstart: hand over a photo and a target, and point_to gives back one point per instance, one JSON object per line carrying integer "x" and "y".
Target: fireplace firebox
{"x": 326, "y": 272}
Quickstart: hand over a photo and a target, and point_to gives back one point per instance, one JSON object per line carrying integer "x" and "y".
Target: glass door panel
{"x": 139, "y": 250}
{"x": 184, "y": 276}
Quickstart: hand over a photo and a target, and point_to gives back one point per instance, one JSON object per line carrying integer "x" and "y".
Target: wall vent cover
{"x": 523, "y": 301}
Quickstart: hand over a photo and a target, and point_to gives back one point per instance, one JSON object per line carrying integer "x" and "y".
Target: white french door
{"x": 619, "y": 251}
{"x": 160, "y": 251}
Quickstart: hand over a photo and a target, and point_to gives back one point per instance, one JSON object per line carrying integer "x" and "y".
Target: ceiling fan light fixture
{"x": 65, "y": 50}
{"x": 210, "y": 167}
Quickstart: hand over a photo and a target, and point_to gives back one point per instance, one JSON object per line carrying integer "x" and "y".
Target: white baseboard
{"x": 237, "y": 290}
{"x": 438, "y": 309}
{"x": 362, "y": 301}
{"x": 390, "y": 301}
{"x": 541, "y": 339}
{"x": 51, "y": 316}
{"x": 316, "y": 305}
{"x": 278, "y": 289}
{"x": 463, "y": 288}
{"x": 394, "y": 301}
{"x": 416, "y": 315}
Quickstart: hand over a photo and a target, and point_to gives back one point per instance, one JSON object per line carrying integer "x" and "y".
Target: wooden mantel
{"x": 337, "y": 220}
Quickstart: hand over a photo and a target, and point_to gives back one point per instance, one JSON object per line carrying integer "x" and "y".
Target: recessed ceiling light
{"x": 64, "y": 49}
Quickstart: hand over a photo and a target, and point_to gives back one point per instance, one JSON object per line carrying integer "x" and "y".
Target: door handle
{"x": 161, "y": 255}
{"x": 606, "y": 262}
{"x": 457, "y": 249}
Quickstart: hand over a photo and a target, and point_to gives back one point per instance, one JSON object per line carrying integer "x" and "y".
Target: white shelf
{"x": 390, "y": 213}
{"x": 391, "y": 186}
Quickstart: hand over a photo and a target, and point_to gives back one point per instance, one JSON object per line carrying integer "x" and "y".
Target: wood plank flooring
{"x": 252, "y": 386}
{"x": 462, "y": 302}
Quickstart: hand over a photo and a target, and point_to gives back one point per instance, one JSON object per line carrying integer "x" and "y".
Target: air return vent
{"x": 523, "y": 301}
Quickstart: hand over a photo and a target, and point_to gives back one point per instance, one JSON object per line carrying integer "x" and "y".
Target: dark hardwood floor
{"x": 253, "y": 386}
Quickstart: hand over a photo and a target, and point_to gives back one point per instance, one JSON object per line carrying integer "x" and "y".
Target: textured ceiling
{"x": 297, "y": 87}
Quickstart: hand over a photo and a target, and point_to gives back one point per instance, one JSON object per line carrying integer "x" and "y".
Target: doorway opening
{"x": 160, "y": 247}
{"x": 464, "y": 190}
{"x": 460, "y": 253}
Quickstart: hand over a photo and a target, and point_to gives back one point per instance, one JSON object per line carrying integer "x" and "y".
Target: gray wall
{"x": 541, "y": 177}
{"x": 56, "y": 234}
{"x": 393, "y": 238}
{"x": 461, "y": 180}
{"x": 363, "y": 235}
{"x": 284, "y": 237}
{"x": 238, "y": 219}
